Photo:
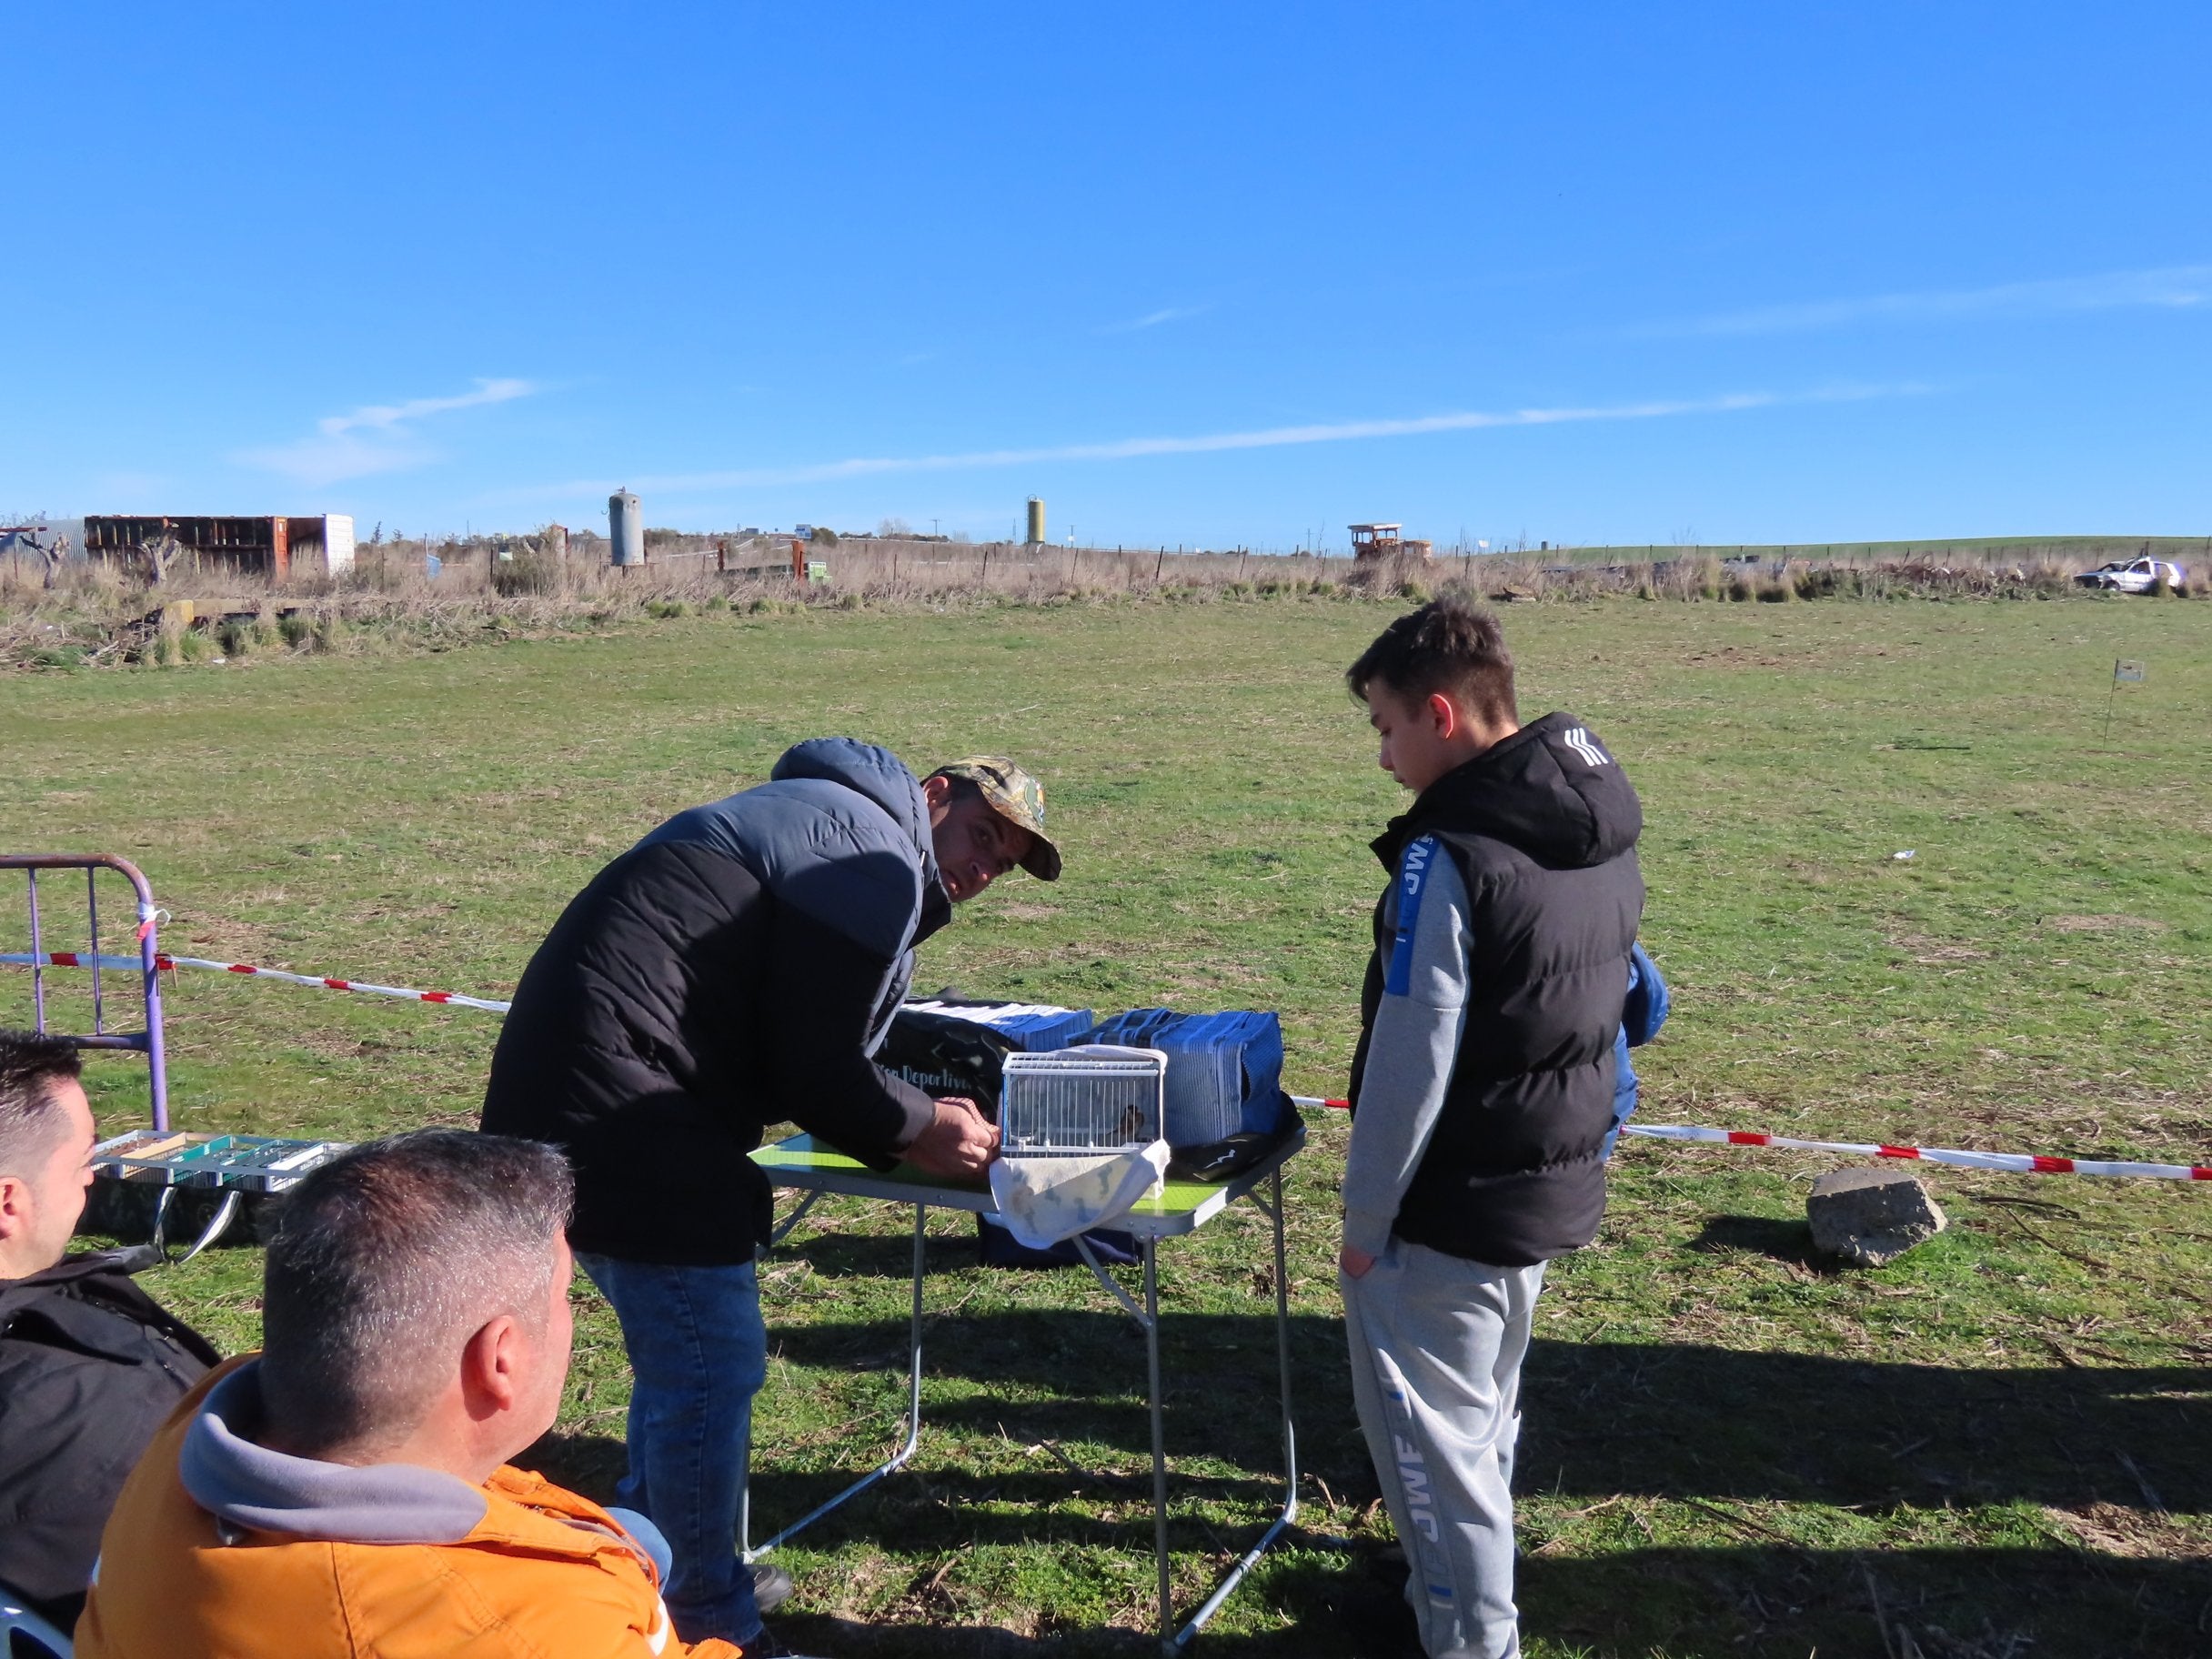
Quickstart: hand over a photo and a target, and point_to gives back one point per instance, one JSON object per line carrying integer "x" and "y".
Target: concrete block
{"x": 1868, "y": 1217}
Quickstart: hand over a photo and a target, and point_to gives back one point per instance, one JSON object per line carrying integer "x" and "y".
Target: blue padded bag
{"x": 1225, "y": 1070}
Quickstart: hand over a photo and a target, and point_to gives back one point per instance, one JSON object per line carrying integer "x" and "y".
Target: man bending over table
{"x": 738, "y": 968}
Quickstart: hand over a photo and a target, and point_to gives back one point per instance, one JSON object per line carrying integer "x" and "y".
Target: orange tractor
{"x": 1373, "y": 543}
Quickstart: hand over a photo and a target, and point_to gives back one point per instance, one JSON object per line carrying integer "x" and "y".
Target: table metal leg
{"x": 799, "y": 1213}
{"x": 1098, "y": 1272}
{"x": 1160, "y": 1451}
{"x": 218, "y": 1224}
{"x": 1147, "y": 1317}
{"x": 1148, "y": 1320}
{"x": 913, "y": 1428}
{"x": 1289, "y": 1446}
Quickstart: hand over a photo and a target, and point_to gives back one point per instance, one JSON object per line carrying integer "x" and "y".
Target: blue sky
{"x": 1213, "y": 275}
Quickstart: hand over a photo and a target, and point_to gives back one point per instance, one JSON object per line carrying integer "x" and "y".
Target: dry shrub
{"x": 533, "y": 573}
{"x": 1693, "y": 576}
{"x": 98, "y": 614}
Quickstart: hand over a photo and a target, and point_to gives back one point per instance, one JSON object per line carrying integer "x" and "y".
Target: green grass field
{"x": 2003, "y": 1440}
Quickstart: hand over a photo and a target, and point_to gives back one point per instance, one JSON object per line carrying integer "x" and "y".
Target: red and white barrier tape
{"x": 2023, "y": 1163}
{"x": 73, "y": 958}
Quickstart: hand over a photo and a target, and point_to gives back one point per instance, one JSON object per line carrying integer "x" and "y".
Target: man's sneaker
{"x": 771, "y": 1589}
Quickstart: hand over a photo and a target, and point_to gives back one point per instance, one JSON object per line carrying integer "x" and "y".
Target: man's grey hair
{"x": 385, "y": 1262}
{"x": 31, "y": 1120}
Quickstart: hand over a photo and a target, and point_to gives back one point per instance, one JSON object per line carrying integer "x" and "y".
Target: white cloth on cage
{"x": 1045, "y": 1199}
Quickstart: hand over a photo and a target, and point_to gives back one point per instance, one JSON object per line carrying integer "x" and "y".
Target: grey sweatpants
{"x": 1436, "y": 1349}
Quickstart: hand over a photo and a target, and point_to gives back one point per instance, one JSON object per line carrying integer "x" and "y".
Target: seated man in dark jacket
{"x": 89, "y": 1364}
{"x": 738, "y": 968}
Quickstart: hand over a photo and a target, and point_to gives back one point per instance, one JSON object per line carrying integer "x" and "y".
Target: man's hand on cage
{"x": 959, "y": 1143}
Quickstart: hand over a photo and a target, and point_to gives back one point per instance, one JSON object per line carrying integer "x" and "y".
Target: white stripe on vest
{"x": 1585, "y": 744}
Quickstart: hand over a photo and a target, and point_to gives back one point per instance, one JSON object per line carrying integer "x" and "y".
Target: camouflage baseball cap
{"x": 1016, "y": 798}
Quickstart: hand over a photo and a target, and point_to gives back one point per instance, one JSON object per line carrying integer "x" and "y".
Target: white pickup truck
{"x": 2136, "y": 575}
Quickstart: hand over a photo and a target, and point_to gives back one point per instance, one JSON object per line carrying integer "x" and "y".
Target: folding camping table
{"x": 1180, "y": 1207}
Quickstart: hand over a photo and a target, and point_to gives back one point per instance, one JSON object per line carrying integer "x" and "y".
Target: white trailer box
{"x": 338, "y": 543}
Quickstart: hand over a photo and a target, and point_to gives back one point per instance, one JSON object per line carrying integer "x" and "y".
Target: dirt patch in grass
{"x": 2104, "y": 924}
{"x": 2115, "y": 1529}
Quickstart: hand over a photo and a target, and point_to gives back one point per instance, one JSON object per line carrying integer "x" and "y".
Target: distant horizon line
{"x": 1475, "y": 547}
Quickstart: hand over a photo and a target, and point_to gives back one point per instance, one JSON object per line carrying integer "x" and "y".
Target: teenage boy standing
{"x": 1483, "y": 1088}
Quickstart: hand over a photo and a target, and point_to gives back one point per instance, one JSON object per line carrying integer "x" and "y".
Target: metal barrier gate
{"x": 180, "y": 1176}
{"x": 148, "y": 1041}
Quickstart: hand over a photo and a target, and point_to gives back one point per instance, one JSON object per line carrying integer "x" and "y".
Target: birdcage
{"x": 1083, "y": 1102}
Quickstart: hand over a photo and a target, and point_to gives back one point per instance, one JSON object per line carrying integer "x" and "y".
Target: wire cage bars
{"x": 1084, "y": 1100}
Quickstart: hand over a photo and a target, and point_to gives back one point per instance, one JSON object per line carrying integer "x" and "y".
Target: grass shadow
{"x": 1767, "y": 1602}
{"x": 1772, "y": 1600}
{"x": 588, "y": 1465}
{"x": 1796, "y": 1428}
{"x": 864, "y": 1255}
{"x": 1785, "y": 1238}
{"x": 1601, "y": 1418}
{"x": 1326, "y": 1603}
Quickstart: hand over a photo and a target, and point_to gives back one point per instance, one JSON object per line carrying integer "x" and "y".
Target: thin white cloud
{"x": 2173, "y": 287}
{"x": 1269, "y": 437}
{"x": 1152, "y": 319}
{"x": 373, "y": 439}
{"x": 384, "y": 417}
{"x": 316, "y": 461}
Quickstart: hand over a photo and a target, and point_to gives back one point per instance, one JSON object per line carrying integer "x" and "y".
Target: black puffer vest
{"x": 1543, "y": 829}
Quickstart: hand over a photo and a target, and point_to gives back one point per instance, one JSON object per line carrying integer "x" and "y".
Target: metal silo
{"x": 1036, "y": 519}
{"x": 625, "y": 528}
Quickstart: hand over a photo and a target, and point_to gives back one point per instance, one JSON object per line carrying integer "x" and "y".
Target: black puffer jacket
{"x": 737, "y": 968}
{"x": 89, "y": 1366}
{"x": 1542, "y": 830}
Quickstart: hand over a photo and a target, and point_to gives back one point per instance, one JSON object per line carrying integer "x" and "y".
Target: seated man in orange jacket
{"x": 345, "y": 1492}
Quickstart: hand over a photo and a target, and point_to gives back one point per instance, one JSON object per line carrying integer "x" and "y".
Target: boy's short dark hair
{"x": 1447, "y": 645}
{"x": 31, "y": 1123}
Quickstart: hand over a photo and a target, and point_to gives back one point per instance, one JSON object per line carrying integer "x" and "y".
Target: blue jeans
{"x": 699, "y": 1353}
{"x": 646, "y": 1537}
{"x": 1624, "y": 1093}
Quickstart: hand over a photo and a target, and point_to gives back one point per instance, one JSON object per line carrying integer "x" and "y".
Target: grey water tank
{"x": 625, "y": 528}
